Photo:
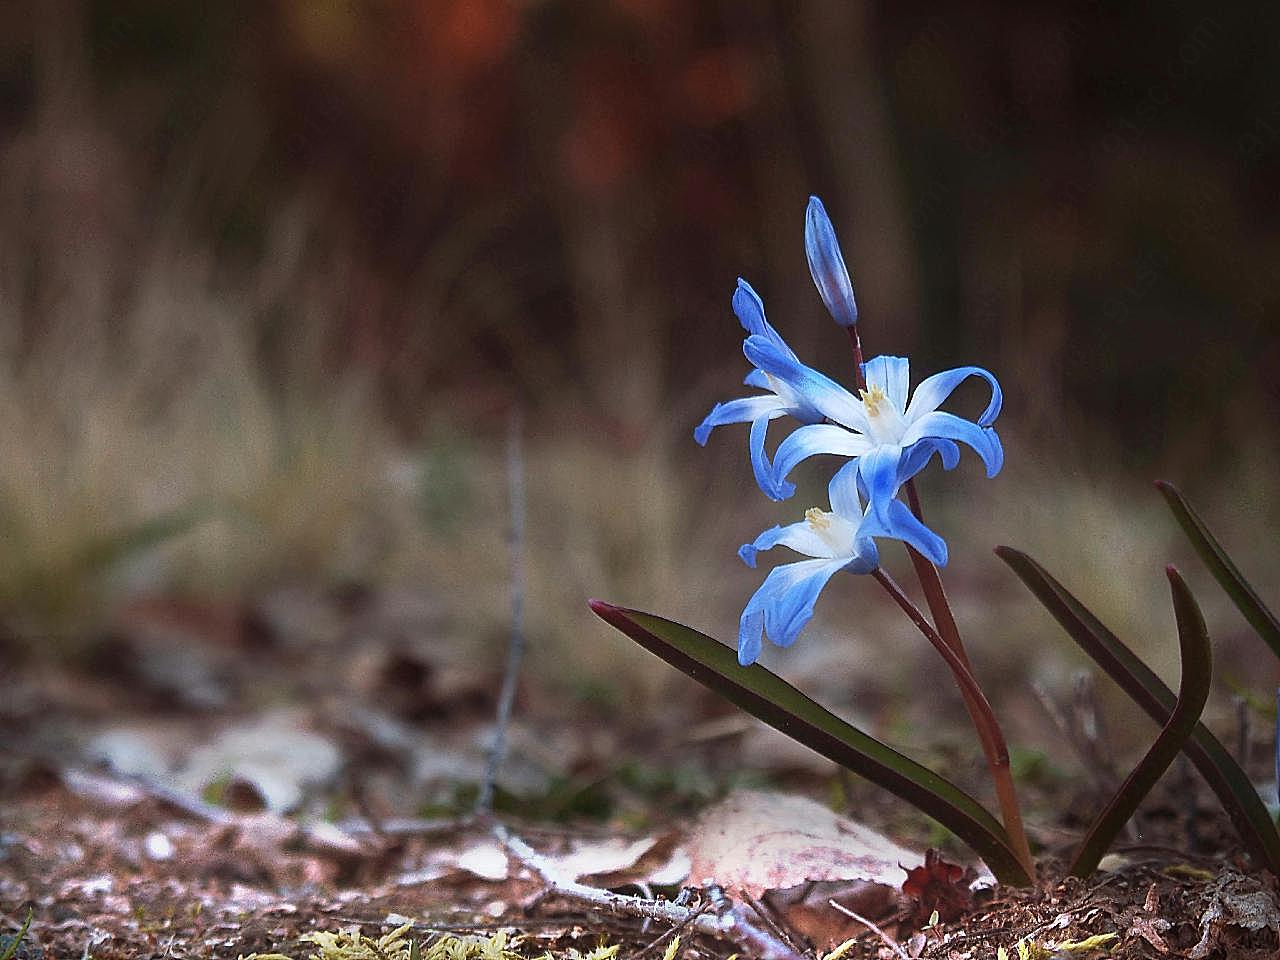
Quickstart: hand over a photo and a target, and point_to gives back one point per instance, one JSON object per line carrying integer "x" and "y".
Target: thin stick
{"x": 515, "y": 647}
{"x": 607, "y": 900}
{"x": 870, "y": 925}
{"x": 124, "y": 790}
{"x": 733, "y": 923}
{"x": 774, "y": 926}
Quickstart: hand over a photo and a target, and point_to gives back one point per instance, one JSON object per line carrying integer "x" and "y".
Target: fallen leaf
{"x": 755, "y": 841}
{"x": 939, "y": 887}
{"x": 276, "y": 756}
{"x": 1234, "y": 900}
{"x": 485, "y": 860}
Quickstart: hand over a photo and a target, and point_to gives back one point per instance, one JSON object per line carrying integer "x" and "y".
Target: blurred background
{"x": 274, "y": 277}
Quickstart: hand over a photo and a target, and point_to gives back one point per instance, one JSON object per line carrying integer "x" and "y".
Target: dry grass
{"x": 134, "y": 381}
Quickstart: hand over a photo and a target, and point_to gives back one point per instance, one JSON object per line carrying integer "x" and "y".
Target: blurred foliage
{"x": 534, "y": 191}
{"x": 285, "y": 255}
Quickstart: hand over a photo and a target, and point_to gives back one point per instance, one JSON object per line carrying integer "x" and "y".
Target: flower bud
{"x": 826, "y": 265}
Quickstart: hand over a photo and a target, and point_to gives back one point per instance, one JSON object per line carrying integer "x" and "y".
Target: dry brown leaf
{"x": 755, "y": 841}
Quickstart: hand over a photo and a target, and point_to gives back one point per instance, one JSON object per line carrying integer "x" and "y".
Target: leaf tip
{"x": 602, "y": 608}
{"x": 1175, "y": 576}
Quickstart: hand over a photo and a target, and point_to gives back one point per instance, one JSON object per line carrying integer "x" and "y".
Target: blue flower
{"x": 781, "y": 400}
{"x": 888, "y": 437}
{"x": 826, "y": 265}
{"x": 889, "y": 434}
{"x": 835, "y": 540}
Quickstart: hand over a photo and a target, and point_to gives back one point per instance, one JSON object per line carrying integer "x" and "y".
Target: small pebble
{"x": 158, "y": 846}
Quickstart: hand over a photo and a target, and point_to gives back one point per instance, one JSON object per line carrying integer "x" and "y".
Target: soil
{"x": 116, "y": 863}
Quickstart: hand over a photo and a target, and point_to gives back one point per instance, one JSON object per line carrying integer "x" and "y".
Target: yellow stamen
{"x": 818, "y": 519}
{"x": 871, "y": 399}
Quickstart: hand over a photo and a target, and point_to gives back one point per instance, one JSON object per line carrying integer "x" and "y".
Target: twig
{"x": 733, "y": 923}
{"x": 772, "y": 923}
{"x": 1091, "y": 733}
{"x": 1069, "y": 732}
{"x": 515, "y": 647}
{"x": 626, "y": 904}
{"x": 667, "y": 935}
{"x": 870, "y": 925}
{"x": 1090, "y": 722}
{"x": 118, "y": 790}
{"x": 409, "y": 826}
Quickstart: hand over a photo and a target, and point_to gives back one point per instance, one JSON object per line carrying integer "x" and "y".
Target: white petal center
{"x": 883, "y": 417}
{"x": 833, "y": 530}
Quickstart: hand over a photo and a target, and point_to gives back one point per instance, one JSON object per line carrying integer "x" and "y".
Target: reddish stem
{"x": 931, "y": 583}
{"x": 984, "y": 720}
{"x": 859, "y": 377}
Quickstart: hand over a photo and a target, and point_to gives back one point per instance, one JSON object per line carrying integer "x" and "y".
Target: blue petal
{"x": 749, "y": 309}
{"x": 893, "y": 376}
{"x": 776, "y": 488}
{"x": 843, "y": 492}
{"x": 744, "y": 410}
{"x": 897, "y": 521}
{"x": 792, "y": 608}
{"x": 811, "y": 440}
{"x": 917, "y": 457}
{"x": 879, "y": 472}
{"x": 997, "y": 448}
{"x": 800, "y": 537}
{"x": 868, "y": 557}
{"x": 888, "y": 516}
{"x": 826, "y": 265}
{"x": 758, "y": 378}
{"x": 783, "y": 605}
{"x": 933, "y": 391}
{"x": 946, "y": 425}
{"x": 824, "y": 396}
{"x": 750, "y": 634}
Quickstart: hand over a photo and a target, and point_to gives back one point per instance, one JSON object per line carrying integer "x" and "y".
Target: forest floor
{"x": 204, "y": 783}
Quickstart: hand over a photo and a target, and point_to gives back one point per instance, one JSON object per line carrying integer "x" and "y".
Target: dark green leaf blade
{"x": 1231, "y": 785}
{"x": 768, "y": 697}
{"x": 1223, "y": 569}
{"x": 1193, "y": 692}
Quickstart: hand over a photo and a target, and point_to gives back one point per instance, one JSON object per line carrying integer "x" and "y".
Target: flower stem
{"x": 855, "y": 341}
{"x": 931, "y": 583}
{"x": 984, "y": 719}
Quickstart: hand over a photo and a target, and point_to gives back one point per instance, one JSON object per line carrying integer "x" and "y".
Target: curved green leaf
{"x": 1231, "y": 785}
{"x": 1193, "y": 691}
{"x": 768, "y": 697}
{"x": 1224, "y": 571}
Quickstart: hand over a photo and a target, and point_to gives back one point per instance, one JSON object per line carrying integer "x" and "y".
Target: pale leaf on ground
{"x": 755, "y": 841}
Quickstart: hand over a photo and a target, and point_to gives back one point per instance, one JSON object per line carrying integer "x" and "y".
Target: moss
{"x": 351, "y": 944}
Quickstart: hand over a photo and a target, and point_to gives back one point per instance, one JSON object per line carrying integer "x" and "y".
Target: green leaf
{"x": 1193, "y": 692}
{"x": 11, "y": 950}
{"x": 1233, "y": 788}
{"x": 1224, "y": 571}
{"x": 770, "y": 698}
